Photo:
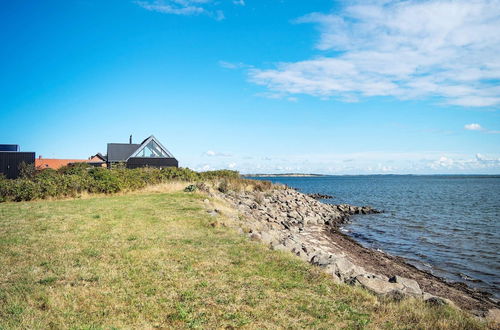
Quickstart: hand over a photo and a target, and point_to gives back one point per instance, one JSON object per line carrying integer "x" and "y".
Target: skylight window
{"x": 152, "y": 150}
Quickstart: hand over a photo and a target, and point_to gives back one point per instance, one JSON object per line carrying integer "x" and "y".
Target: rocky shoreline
{"x": 287, "y": 220}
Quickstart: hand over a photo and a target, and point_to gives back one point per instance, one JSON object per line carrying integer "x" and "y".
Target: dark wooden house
{"x": 11, "y": 159}
{"x": 148, "y": 153}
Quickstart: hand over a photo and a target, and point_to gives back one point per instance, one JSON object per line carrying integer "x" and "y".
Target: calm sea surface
{"x": 448, "y": 225}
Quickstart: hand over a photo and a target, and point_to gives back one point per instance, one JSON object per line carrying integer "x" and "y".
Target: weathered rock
{"x": 345, "y": 269}
{"x": 255, "y": 237}
{"x": 330, "y": 270}
{"x": 321, "y": 259}
{"x": 380, "y": 287}
{"x": 435, "y": 300}
{"x": 320, "y": 196}
{"x": 268, "y": 238}
{"x": 411, "y": 287}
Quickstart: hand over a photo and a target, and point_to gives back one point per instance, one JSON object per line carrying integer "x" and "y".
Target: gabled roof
{"x": 148, "y": 142}
{"x": 97, "y": 158}
{"x": 121, "y": 152}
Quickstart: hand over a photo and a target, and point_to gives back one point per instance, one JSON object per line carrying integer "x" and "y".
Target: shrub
{"x": 27, "y": 171}
{"x": 223, "y": 186}
{"x": 78, "y": 178}
{"x": 190, "y": 188}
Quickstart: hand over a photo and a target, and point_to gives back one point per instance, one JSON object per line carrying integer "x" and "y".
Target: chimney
{"x": 39, "y": 156}
{"x": 130, "y": 139}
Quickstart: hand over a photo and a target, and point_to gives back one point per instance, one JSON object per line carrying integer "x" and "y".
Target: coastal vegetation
{"x": 157, "y": 258}
{"x": 78, "y": 179}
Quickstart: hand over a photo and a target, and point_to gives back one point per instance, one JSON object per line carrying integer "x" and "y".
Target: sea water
{"x": 447, "y": 225}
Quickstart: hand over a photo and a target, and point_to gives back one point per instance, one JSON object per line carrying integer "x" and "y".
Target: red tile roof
{"x": 41, "y": 163}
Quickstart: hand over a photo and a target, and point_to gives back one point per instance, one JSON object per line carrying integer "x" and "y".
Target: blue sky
{"x": 337, "y": 87}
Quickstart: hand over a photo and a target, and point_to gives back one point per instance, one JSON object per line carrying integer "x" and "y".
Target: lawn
{"x": 148, "y": 260}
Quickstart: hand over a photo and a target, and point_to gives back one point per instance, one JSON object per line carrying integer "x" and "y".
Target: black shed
{"x": 11, "y": 159}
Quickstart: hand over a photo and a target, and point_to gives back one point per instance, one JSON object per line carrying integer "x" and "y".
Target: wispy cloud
{"x": 473, "y": 127}
{"x": 211, "y": 153}
{"x": 184, "y": 7}
{"x": 233, "y": 65}
{"x": 478, "y": 127}
{"x": 369, "y": 162}
{"x": 446, "y": 49}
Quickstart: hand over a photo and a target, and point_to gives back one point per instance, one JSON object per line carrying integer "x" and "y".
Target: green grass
{"x": 153, "y": 260}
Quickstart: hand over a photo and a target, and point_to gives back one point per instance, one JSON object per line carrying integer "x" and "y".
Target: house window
{"x": 152, "y": 150}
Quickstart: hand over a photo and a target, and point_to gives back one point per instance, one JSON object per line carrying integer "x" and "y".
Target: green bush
{"x": 76, "y": 179}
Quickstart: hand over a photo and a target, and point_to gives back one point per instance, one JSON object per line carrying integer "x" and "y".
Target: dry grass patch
{"x": 152, "y": 260}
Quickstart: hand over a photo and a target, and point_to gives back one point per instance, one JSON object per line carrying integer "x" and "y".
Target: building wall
{"x": 152, "y": 162}
{"x": 10, "y": 161}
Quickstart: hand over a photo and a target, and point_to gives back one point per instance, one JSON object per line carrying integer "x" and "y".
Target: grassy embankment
{"x": 145, "y": 260}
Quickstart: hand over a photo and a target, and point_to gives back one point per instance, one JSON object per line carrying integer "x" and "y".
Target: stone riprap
{"x": 287, "y": 220}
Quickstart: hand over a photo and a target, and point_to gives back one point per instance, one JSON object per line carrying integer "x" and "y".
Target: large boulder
{"x": 435, "y": 300}
{"x": 345, "y": 269}
{"x": 379, "y": 287}
{"x": 411, "y": 287}
{"x": 321, "y": 259}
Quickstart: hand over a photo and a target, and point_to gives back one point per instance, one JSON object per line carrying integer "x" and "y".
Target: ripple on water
{"x": 449, "y": 225}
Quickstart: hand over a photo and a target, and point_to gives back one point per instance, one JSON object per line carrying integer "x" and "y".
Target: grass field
{"x": 148, "y": 260}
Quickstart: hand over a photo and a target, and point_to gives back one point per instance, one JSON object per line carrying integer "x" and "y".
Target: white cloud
{"x": 473, "y": 127}
{"x": 231, "y": 65}
{"x": 374, "y": 162}
{"x": 212, "y": 153}
{"x": 405, "y": 49}
{"x": 478, "y": 127}
{"x": 184, "y": 7}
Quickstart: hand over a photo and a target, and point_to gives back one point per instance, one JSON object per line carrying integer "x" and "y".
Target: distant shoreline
{"x": 284, "y": 175}
{"x": 312, "y": 175}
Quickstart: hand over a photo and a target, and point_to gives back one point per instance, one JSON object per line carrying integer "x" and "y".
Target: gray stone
{"x": 255, "y": 237}
{"x": 330, "y": 270}
{"x": 379, "y": 287}
{"x": 411, "y": 287}
{"x": 345, "y": 269}
{"x": 435, "y": 300}
{"x": 321, "y": 259}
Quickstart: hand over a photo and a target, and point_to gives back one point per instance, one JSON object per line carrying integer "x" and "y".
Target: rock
{"x": 380, "y": 287}
{"x": 330, "y": 269}
{"x": 435, "y": 300}
{"x": 321, "y": 259}
{"x": 255, "y": 237}
{"x": 345, "y": 269}
{"x": 320, "y": 196}
{"x": 411, "y": 287}
{"x": 493, "y": 315}
{"x": 268, "y": 238}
